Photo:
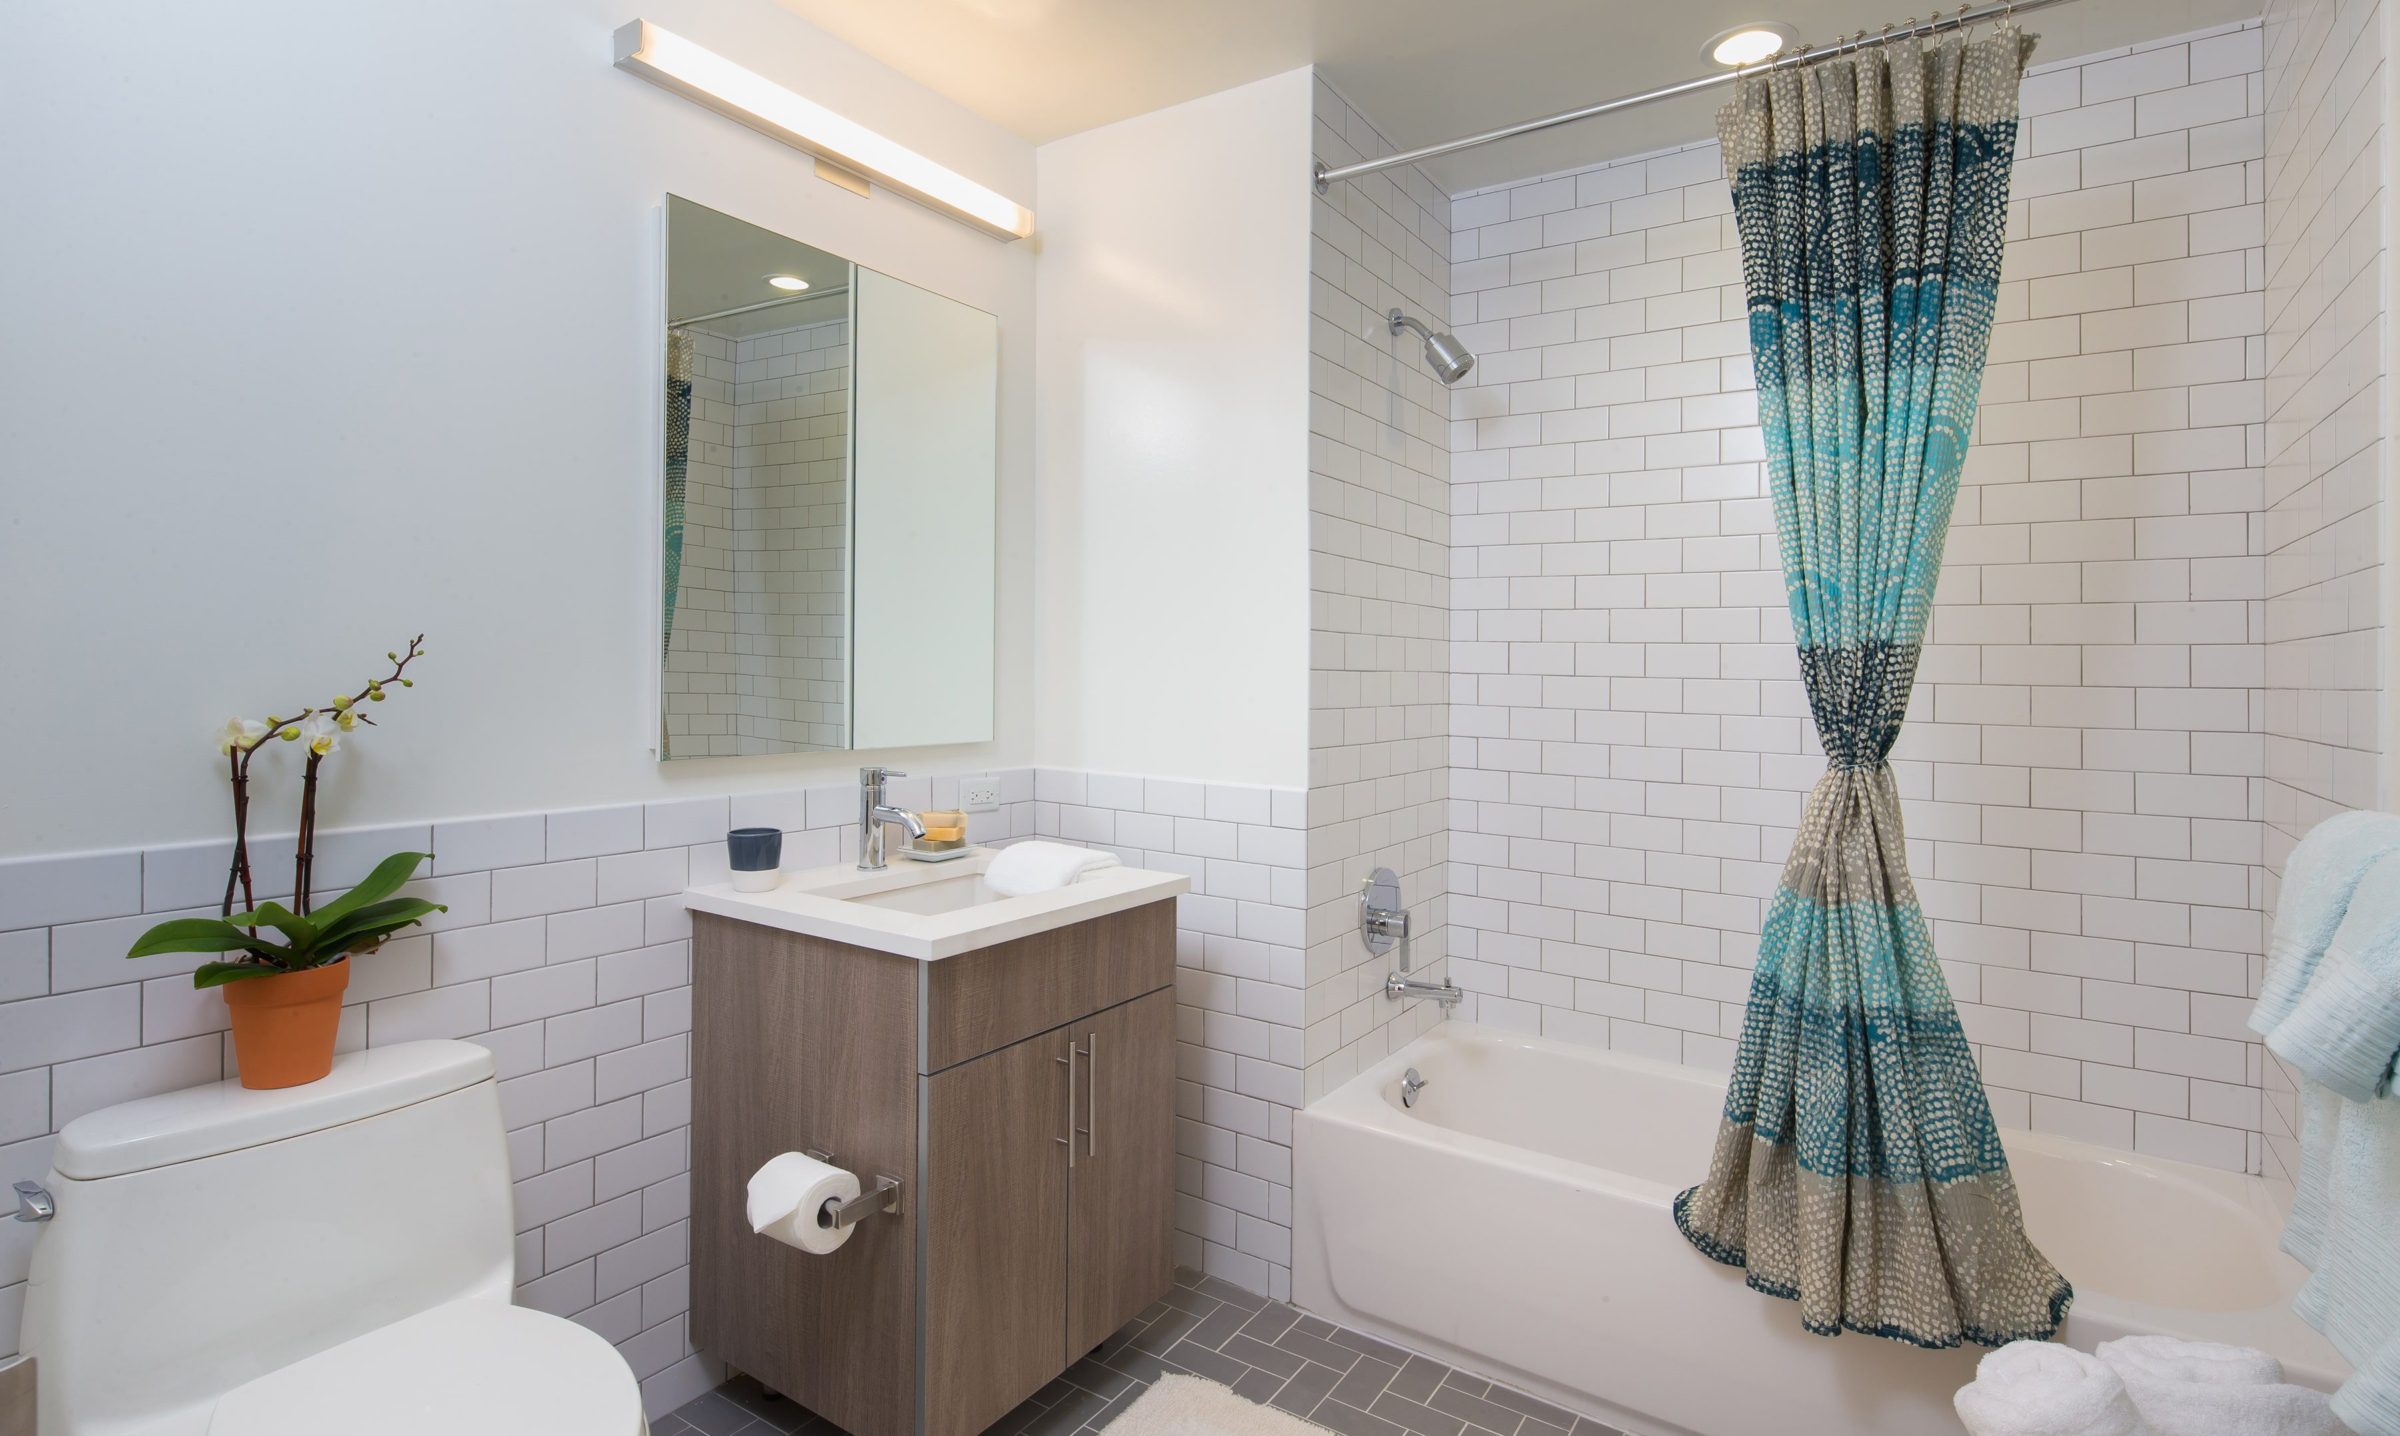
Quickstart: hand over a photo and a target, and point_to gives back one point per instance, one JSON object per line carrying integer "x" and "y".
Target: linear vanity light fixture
{"x": 705, "y": 77}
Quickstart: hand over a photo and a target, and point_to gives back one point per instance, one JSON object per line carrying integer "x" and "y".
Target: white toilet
{"x": 336, "y": 1257}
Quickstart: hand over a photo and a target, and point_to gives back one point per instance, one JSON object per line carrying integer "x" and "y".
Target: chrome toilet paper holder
{"x": 883, "y": 1196}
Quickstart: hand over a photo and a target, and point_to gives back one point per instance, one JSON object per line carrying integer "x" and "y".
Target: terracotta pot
{"x": 283, "y": 1025}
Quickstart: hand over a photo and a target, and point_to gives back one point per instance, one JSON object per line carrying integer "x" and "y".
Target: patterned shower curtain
{"x": 678, "y": 476}
{"x": 1856, "y": 1169}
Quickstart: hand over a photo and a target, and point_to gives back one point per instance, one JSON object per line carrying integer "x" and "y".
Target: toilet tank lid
{"x": 226, "y": 1116}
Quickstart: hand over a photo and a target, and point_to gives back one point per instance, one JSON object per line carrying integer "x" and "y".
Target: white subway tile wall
{"x": 567, "y": 951}
{"x": 1379, "y": 601}
{"x": 2325, "y": 455}
{"x": 758, "y": 660}
{"x": 701, "y": 663}
{"x": 2082, "y": 764}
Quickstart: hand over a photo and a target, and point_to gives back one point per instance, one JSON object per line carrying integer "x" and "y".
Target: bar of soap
{"x": 942, "y": 818}
{"x": 943, "y": 835}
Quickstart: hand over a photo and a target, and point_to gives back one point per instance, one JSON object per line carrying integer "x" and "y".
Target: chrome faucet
{"x": 1385, "y": 926}
{"x": 874, "y": 812}
{"x": 1447, "y": 994}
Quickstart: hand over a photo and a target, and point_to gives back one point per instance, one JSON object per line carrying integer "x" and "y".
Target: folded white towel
{"x": 2198, "y": 1388}
{"x": 2040, "y": 1388}
{"x": 2166, "y": 1358}
{"x": 1029, "y": 868}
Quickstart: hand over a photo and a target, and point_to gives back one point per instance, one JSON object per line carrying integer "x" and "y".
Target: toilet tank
{"x": 209, "y": 1236}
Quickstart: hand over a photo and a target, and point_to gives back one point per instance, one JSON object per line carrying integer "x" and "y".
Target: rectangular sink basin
{"x": 929, "y": 911}
{"x": 948, "y": 895}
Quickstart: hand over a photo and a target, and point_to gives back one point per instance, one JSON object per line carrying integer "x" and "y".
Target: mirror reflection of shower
{"x": 1444, "y": 355}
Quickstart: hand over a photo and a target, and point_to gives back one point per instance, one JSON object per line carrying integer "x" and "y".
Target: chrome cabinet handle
{"x": 1069, "y": 1139}
{"x": 1091, "y": 1095}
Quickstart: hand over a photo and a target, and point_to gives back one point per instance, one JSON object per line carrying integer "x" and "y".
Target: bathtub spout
{"x": 1447, "y": 994}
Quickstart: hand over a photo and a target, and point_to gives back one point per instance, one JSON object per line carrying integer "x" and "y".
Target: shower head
{"x": 1444, "y": 355}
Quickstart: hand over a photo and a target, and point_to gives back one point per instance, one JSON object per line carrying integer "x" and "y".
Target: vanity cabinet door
{"x": 1121, "y": 1191}
{"x": 995, "y": 1233}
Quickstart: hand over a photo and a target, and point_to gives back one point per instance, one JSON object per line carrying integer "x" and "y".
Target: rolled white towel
{"x": 2166, "y": 1358}
{"x": 2199, "y": 1388}
{"x": 2199, "y": 1408}
{"x": 2039, "y": 1388}
{"x": 1029, "y": 868}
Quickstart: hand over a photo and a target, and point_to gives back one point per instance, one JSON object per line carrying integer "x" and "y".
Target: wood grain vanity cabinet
{"x": 1024, "y": 1095}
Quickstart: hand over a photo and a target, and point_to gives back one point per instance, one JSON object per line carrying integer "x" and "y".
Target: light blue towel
{"x": 2344, "y": 1031}
{"x": 2322, "y": 873}
{"x": 2330, "y": 1006}
{"x": 2342, "y": 1229}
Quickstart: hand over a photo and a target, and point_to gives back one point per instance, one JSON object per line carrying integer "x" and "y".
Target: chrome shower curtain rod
{"x": 831, "y": 293}
{"x": 1961, "y": 18}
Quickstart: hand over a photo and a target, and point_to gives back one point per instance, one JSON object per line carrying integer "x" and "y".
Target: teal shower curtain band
{"x": 1857, "y": 1170}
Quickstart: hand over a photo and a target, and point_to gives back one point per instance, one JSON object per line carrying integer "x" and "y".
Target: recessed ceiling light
{"x": 787, "y": 281}
{"x": 1747, "y": 44}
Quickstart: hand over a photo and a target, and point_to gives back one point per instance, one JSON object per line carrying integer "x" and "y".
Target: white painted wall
{"x": 467, "y": 196}
{"x": 1172, "y": 441}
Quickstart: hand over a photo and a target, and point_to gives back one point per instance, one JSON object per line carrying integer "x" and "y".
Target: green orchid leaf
{"x": 217, "y": 974}
{"x": 300, "y": 930}
{"x": 388, "y": 877}
{"x": 189, "y": 934}
{"x": 375, "y": 922}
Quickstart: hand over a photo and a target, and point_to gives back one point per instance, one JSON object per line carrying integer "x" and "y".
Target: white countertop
{"x": 822, "y": 902}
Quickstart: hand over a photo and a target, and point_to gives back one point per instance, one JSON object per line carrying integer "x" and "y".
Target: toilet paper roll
{"x": 787, "y": 1193}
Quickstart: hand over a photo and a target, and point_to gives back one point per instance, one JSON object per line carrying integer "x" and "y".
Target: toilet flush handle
{"x": 34, "y": 1204}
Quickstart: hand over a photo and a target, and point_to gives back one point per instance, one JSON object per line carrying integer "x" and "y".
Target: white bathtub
{"x": 1516, "y": 1223}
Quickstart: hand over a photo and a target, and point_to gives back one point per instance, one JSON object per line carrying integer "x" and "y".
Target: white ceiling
{"x": 1423, "y": 70}
{"x": 717, "y": 262}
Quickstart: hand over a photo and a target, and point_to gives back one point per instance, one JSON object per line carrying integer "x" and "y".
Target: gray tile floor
{"x": 1264, "y": 1350}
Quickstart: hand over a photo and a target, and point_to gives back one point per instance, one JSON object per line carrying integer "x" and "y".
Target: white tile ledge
{"x": 814, "y": 902}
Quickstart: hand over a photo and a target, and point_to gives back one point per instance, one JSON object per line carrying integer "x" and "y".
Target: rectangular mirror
{"x": 830, "y": 480}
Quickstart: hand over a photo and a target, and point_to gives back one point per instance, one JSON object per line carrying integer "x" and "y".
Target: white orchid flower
{"x": 321, "y": 733}
{"x": 240, "y": 733}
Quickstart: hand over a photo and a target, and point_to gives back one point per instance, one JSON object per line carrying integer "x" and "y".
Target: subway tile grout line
{"x": 1265, "y": 1351}
{"x": 566, "y": 953}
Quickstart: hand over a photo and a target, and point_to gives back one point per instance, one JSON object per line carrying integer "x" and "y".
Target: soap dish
{"x": 934, "y": 855}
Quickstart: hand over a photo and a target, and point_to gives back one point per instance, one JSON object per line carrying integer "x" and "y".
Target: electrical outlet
{"x": 979, "y": 795}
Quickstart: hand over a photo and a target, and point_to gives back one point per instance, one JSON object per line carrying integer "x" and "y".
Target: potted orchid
{"x": 284, "y": 989}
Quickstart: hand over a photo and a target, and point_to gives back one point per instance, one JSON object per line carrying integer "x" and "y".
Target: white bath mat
{"x": 1188, "y": 1406}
